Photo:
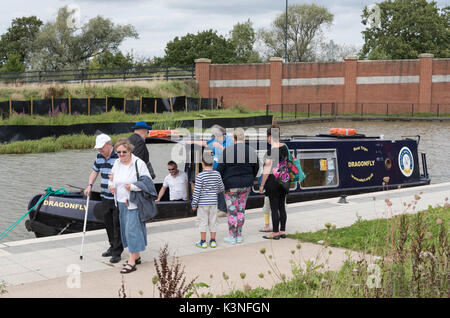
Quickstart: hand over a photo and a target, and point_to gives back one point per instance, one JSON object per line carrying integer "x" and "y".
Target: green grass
{"x": 373, "y": 236}
{"x": 413, "y": 252}
{"x": 115, "y": 116}
{"x": 130, "y": 90}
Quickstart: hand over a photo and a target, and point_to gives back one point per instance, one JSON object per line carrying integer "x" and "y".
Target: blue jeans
{"x": 132, "y": 230}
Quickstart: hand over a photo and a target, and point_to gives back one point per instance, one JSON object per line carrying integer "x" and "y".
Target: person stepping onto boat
{"x": 208, "y": 184}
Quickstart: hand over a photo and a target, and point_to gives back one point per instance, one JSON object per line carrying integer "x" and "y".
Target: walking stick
{"x": 84, "y": 226}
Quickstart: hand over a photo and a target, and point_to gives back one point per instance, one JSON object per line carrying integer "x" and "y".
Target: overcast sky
{"x": 159, "y": 21}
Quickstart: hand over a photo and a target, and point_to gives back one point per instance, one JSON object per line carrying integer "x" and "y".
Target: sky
{"x": 160, "y": 21}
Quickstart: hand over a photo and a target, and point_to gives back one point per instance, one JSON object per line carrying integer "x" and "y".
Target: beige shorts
{"x": 207, "y": 218}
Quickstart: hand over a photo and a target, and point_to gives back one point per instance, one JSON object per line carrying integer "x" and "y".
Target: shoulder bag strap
{"x": 137, "y": 171}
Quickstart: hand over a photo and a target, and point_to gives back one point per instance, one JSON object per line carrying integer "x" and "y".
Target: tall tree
{"x": 18, "y": 40}
{"x": 305, "y": 23}
{"x": 243, "y": 38}
{"x": 207, "y": 44}
{"x": 61, "y": 44}
{"x": 403, "y": 29}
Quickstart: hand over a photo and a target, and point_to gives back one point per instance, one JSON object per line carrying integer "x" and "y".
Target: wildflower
{"x": 417, "y": 197}
{"x": 328, "y": 225}
{"x": 429, "y": 235}
{"x": 243, "y": 275}
{"x": 225, "y": 276}
{"x": 292, "y": 252}
{"x": 298, "y": 246}
{"x": 155, "y": 280}
{"x": 262, "y": 251}
{"x": 439, "y": 221}
{"x": 388, "y": 202}
{"x": 261, "y": 275}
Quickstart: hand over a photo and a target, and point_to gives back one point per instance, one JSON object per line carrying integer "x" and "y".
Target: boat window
{"x": 320, "y": 167}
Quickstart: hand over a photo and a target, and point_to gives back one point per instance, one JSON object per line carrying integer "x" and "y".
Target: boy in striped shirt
{"x": 208, "y": 184}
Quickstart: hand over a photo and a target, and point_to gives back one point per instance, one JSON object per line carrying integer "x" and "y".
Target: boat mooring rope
{"x": 48, "y": 192}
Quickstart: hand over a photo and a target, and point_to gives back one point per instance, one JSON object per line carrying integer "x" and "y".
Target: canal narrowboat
{"x": 335, "y": 165}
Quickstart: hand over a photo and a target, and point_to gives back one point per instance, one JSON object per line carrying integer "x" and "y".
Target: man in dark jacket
{"x": 141, "y": 130}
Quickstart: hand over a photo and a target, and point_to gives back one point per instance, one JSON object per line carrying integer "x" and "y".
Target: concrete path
{"x": 50, "y": 267}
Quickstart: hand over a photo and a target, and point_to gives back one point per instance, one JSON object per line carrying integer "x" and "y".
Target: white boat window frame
{"x": 301, "y": 155}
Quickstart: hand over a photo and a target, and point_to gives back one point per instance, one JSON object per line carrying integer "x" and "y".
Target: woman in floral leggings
{"x": 238, "y": 168}
{"x": 236, "y": 199}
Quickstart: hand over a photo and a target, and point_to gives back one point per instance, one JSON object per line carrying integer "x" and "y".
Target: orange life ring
{"x": 162, "y": 133}
{"x": 343, "y": 131}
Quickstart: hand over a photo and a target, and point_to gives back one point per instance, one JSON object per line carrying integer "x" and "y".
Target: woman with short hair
{"x": 123, "y": 175}
{"x": 238, "y": 169}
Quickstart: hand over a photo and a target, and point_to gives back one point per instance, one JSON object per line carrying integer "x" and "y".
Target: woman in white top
{"x": 123, "y": 175}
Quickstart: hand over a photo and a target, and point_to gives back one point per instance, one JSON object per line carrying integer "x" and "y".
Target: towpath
{"x": 48, "y": 267}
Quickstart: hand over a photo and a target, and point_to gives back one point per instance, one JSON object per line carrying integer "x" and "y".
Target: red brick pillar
{"x": 276, "y": 77}
{"x": 350, "y": 93}
{"x": 202, "y": 76}
{"x": 425, "y": 83}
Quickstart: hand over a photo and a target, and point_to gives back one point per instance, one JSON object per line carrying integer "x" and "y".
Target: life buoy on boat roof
{"x": 343, "y": 131}
{"x": 162, "y": 133}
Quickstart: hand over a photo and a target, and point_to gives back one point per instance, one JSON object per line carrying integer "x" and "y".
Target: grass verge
{"x": 413, "y": 260}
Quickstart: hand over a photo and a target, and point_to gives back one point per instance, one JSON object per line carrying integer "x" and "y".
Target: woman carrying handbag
{"x": 123, "y": 175}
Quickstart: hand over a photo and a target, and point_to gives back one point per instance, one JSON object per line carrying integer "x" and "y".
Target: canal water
{"x": 23, "y": 176}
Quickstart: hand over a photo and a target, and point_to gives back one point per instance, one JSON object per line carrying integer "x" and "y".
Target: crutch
{"x": 84, "y": 226}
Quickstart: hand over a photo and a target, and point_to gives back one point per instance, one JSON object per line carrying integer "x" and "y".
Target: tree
{"x": 111, "y": 60}
{"x": 243, "y": 38}
{"x": 61, "y": 44}
{"x": 18, "y": 40}
{"x": 403, "y": 29}
{"x": 13, "y": 64}
{"x": 305, "y": 23}
{"x": 332, "y": 52}
{"x": 207, "y": 44}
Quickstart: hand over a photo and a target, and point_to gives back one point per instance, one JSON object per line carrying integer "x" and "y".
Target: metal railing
{"x": 105, "y": 74}
{"x": 386, "y": 110}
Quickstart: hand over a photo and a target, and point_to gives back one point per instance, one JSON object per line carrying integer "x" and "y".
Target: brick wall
{"x": 424, "y": 81}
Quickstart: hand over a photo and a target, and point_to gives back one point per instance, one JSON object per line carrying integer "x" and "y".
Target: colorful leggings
{"x": 236, "y": 199}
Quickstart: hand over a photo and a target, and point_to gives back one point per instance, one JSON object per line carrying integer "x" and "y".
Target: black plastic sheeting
{"x": 10, "y": 133}
{"x": 83, "y": 106}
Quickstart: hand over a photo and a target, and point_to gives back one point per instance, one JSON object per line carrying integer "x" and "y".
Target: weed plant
{"x": 412, "y": 260}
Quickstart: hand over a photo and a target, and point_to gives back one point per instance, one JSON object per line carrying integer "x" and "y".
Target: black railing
{"x": 105, "y": 74}
{"x": 386, "y": 110}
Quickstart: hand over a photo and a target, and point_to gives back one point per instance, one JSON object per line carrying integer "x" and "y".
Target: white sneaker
{"x": 230, "y": 240}
{"x": 239, "y": 239}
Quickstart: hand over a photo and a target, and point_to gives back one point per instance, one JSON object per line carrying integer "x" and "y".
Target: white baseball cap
{"x": 101, "y": 140}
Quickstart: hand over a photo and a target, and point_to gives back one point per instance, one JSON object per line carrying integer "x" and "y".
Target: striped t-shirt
{"x": 208, "y": 184}
{"x": 104, "y": 166}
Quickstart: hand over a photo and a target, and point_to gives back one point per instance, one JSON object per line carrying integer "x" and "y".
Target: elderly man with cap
{"x": 137, "y": 139}
{"x": 103, "y": 164}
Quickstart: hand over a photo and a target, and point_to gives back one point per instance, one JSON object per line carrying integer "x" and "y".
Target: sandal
{"x": 271, "y": 237}
{"x": 137, "y": 262}
{"x": 265, "y": 229}
{"x": 126, "y": 270}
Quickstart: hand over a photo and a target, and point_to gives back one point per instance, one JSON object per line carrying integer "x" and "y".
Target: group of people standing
{"x": 236, "y": 166}
{"x": 228, "y": 174}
